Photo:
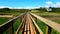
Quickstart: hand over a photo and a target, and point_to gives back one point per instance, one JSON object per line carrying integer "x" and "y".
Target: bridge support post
{"x": 36, "y": 20}
{"x": 11, "y": 29}
{"x": 23, "y": 28}
{"x": 48, "y": 29}
{"x": 20, "y": 19}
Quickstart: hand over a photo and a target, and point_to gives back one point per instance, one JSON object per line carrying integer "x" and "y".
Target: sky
{"x": 29, "y": 3}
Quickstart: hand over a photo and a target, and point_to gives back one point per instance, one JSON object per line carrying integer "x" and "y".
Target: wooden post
{"x": 20, "y": 19}
{"x": 1, "y": 32}
{"x": 11, "y": 29}
{"x": 48, "y": 29}
{"x": 35, "y": 19}
{"x": 23, "y": 28}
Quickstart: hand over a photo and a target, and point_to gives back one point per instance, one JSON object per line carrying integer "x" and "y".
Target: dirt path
{"x": 6, "y": 15}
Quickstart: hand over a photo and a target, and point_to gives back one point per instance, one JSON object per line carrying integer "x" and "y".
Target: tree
{"x": 6, "y": 9}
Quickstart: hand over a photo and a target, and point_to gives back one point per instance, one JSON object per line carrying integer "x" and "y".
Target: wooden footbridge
{"x": 28, "y": 25}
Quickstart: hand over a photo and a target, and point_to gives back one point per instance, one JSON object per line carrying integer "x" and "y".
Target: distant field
{"x": 49, "y": 15}
{"x": 3, "y": 20}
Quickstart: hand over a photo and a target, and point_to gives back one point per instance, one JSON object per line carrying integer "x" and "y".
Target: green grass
{"x": 15, "y": 26}
{"x": 54, "y": 32}
{"x": 3, "y": 20}
{"x": 42, "y": 26}
{"x": 57, "y": 21}
{"x": 44, "y": 13}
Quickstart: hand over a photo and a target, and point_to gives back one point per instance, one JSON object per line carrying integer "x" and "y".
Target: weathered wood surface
{"x": 50, "y": 23}
{"x": 40, "y": 31}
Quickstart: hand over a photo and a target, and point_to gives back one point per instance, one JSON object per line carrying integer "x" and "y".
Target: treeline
{"x": 45, "y": 9}
{"x": 41, "y": 9}
{"x": 8, "y": 10}
{"x": 56, "y": 9}
{"x": 4, "y": 9}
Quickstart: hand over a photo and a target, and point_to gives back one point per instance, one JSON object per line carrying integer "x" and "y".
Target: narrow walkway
{"x": 29, "y": 28}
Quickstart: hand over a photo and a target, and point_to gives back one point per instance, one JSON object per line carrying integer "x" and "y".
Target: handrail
{"x": 40, "y": 31}
{"x": 50, "y": 23}
{"x": 20, "y": 25}
{"x": 11, "y": 20}
{"x": 5, "y": 26}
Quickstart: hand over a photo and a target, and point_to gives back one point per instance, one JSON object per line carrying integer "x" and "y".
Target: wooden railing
{"x": 20, "y": 28}
{"x": 37, "y": 27}
{"x": 9, "y": 24}
{"x": 50, "y": 24}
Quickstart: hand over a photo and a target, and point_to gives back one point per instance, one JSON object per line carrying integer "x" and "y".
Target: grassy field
{"x": 42, "y": 26}
{"x": 16, "y": 23}
{"x": 3, "y": 20}
{"x": 48, "y": 15}
{"x": 12, "y": 12}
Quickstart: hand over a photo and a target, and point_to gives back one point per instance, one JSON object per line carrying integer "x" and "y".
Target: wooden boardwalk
{"x": 29, "y": 28}
{"x": 28, "y": 25}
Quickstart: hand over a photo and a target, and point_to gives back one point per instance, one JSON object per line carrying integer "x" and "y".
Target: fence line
{"x": 9, "y": 25}
{"x": 50, "y": 23}
{"x": 20, "y": 26}
{"x": 40, "y": 31}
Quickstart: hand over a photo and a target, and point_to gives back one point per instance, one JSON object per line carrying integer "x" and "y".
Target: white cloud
{"x": 49, "y": 3}
{"x": 57, "y": 4}
{"x": 3, "y": 6}
{"x": 27, "y": 7}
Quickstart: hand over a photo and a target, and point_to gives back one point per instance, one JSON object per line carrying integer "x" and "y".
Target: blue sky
{"x": 29, "y": 3}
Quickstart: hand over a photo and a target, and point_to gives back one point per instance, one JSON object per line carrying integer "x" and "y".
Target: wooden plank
{"x": 22, "y": 19}
{"x": 40, "y": 31}
{"x": 20, "y": 26}
{"x": 32, "y": 28}
{"x": 52, "y": 24}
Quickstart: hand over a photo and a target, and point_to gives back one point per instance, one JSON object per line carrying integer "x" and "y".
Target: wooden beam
{"x": 48, "y": 29}
{"x": 50, "y": 23}
{"x": 40, "y": 31}
{"x": 11, "y": 29}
